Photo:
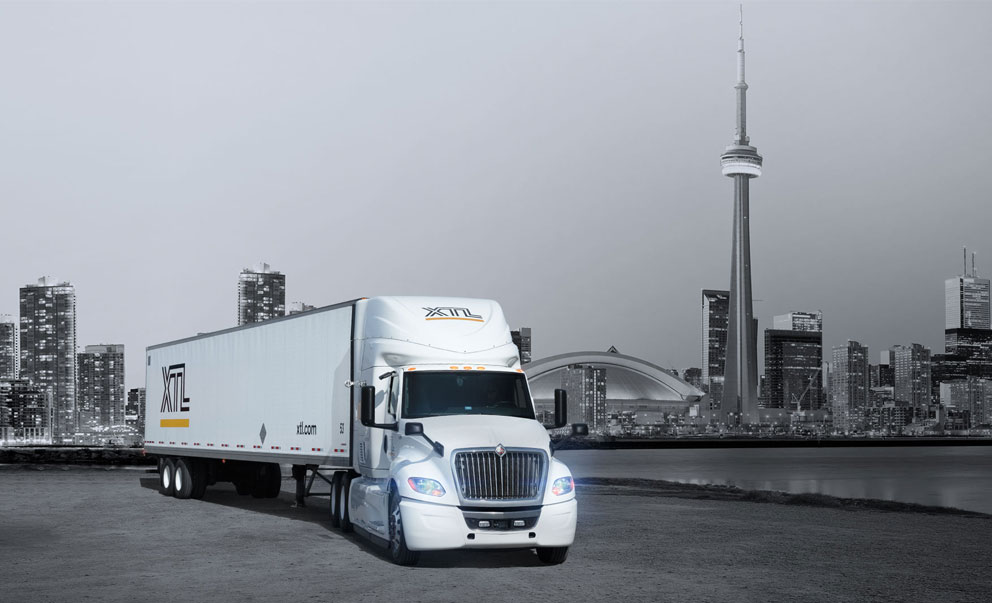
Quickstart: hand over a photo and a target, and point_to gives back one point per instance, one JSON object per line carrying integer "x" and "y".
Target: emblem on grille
{"x": 500, "y": 451}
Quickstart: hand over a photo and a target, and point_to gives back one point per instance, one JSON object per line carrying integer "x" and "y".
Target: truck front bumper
{"x": 430, "y": 527}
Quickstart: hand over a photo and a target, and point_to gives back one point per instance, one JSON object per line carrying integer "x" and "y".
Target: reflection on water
{"x": 948, "y": 476}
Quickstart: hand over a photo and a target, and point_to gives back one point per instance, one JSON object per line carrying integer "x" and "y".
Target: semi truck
{"x": 414, "y": 410}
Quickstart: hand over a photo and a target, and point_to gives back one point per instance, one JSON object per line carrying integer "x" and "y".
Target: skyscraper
{"x": 8, "y": 347}
{"x": 967, "y": 316}
{"x": 586, "y": 387}
{"x": 261, "y": 294}
{"x": 48, "y": 349}
{"x": 521, "y": 339}
{"x": 793, "y": 369}
{"x": 716, "y": 305}
{"x": 912, "y": 377}
{"x": 100, "y": 391}
{"x": 134, "y": 410}
{"x": 741, "y": 162}
{"x": 799, "y": 321}
{"x": 25, "y": 412}
{"x": 849, "y": 386}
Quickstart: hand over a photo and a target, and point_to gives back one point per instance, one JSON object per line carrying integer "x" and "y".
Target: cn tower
{"x": 741, "y": 162}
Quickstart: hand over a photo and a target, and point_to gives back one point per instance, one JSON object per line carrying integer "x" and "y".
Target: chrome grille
{"x": 484, "y": 475}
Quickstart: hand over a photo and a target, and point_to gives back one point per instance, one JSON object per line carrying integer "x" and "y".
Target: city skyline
{"x": 666, "y": 70}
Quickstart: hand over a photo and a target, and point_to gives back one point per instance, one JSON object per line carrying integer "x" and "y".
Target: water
{"x": 946, "y": 476}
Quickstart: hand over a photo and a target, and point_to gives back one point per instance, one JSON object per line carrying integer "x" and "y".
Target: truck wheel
{"x": 552, "y": 555}
{"x": 183, "y": 479}
{"x": 268, "y": 481}
{"x": 344, "y": 516}
{"x": 335, "y": 498}
{"x": 166, "y": 476}
{"x": 199, "y": 469}
{"x": 397, "y": 540}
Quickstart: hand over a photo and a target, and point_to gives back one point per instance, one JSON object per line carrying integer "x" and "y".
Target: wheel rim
{"x": 179, "y": 478}
{"x": 395, "y": 526}
{"x": 166, "y": 476}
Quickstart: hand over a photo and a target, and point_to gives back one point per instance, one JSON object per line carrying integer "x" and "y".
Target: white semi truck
{"x": 413, "y": 409}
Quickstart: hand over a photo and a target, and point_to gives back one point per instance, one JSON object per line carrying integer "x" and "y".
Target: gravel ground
{"x": 108, "y": 535}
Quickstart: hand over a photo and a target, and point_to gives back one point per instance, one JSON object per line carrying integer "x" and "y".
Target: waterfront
{"x": 946, "y": 476}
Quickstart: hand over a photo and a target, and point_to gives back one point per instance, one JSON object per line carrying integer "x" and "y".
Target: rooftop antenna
{"x": 964, "y": 258}
{"x": 973, "y": 273}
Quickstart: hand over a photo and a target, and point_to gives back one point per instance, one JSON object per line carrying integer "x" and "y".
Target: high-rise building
{"x": 912, "y": 377}
{"x": 48, "y": 349}
{"x": 799, "y": 321}
{"x": 972, "y": 396}
{"x": 8, "y": 347}
{"x": 741, "y": 161}
{"x": 261, "y": 294}
{"x": 134, "y": 409}
{"x": 299, "y": 307}
{"x": 521, "y": 339}
{"x": 967, "y": 316}
{"x": 586, "y": 387}
{"x": 886, "y": 370}
{"x": 793, "y": 369}
{"x": 849, "y": 386}
{"x": 25, "y": 412}
{"x": 100, "y": 388}
{"x": 716, "y": 306}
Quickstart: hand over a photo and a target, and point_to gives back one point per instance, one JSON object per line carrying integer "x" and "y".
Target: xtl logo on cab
{"x": 174, "y": 389}
{"x": 452, "y": 314}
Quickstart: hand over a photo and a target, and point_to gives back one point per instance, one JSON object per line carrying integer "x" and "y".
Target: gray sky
{"x": 561, "y": 158}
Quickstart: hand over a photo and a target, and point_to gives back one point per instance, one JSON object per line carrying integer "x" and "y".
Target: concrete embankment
{"x": 73, "y": 455}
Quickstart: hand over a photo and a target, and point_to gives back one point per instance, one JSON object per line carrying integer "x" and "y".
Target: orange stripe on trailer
{"x": 174, "y": 423}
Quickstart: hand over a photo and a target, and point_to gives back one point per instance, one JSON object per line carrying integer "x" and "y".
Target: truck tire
{"x": 344, "y": 516}
{"x": 397, "y": 539}
{"x": 552, "y": 555}
{"x": 166, "y": 475}
{"x": 184, "y": 479}
{"x": 335, "y": 498}
{"x": 199, "y": 470}
{"x": 268, "y": 481}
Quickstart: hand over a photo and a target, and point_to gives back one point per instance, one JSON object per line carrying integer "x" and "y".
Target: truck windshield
{"x": 440, "y": 393}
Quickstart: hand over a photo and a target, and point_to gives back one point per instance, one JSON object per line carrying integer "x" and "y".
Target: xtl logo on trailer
{"x": 174, "y": 389}
{"x": 452, "y": 314}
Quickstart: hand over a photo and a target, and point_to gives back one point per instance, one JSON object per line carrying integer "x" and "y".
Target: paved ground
{"x": 108, "y": 535}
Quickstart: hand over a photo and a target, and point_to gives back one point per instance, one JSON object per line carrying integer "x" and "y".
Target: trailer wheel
{"x": 552, "y": 555}
{"x": 397, "y": 539}
{"x": 166, "y": 476}
{"x": 335, "y": 498}
{"x": 199, "y": 470}
{"x": 183, "y": 478}
{"x": 268, "y": 481}
{"x": 344, "y": 517}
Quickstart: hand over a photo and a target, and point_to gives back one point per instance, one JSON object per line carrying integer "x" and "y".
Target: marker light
{"x": 562, "y": 485}
{"x": 426, "y": 486}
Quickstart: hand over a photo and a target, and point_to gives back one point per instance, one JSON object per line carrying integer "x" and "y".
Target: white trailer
{"x": 414, "y": 409}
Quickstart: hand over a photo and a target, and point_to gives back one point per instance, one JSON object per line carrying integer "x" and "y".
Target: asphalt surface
{"x": 108, "y": 535}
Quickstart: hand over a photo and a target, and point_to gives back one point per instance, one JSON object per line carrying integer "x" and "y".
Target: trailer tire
{"x": 199, "y": 470}
{"x": 397, "y": 539}
{"x": 184, "y": 479}
{"x": 344, "y": 516}
{"x": 552, "y": 555}
{"x": 166, "y": 475}
{"x": 268, "y": 481}
{"x": 335, "y": 498}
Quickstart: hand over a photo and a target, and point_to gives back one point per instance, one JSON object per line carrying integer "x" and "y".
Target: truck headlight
{"x": 562, "y": 485}
{"x": 423, "y": 485}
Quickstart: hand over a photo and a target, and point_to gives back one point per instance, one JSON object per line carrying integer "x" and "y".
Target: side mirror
{"x": 413, "y": 429}
{"x": 580, "y": 429}
{"x": 561, "y": 408}
{"x": 368, "y": 405}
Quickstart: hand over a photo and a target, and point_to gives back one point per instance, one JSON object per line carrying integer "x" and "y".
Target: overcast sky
{"x": 560, "y": 158}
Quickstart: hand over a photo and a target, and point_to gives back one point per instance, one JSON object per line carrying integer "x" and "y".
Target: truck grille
{"x": 484, "y": 475}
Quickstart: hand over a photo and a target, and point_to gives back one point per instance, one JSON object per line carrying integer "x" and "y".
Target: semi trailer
{"x": 414, "y": 410}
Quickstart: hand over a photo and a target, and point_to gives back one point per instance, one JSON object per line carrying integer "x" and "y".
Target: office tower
{"x": 849, "y": 386}
{"x": 967, "y": 319}
{"x": 100, "y": 388}
{"x": 522, "y": 340}
{"x": 716, "y": 305}
{"x": 8, "y": 347}
{"x": 970, "y": 396}
{"x": 48, "y": 349}
{"x": 741, "y": 162}
{"x": 793, "y": 369}
{"x": 134, "y": 410}
{"x": 586, "y": 387}
{"x": 886, "y": 371}
{"x": 912, "y": 377}
{"x": 299, "y": 307}
{"x": 798, "y": 321}
{"x": 261, "y": 294}
{"x": 25, "y": 412}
